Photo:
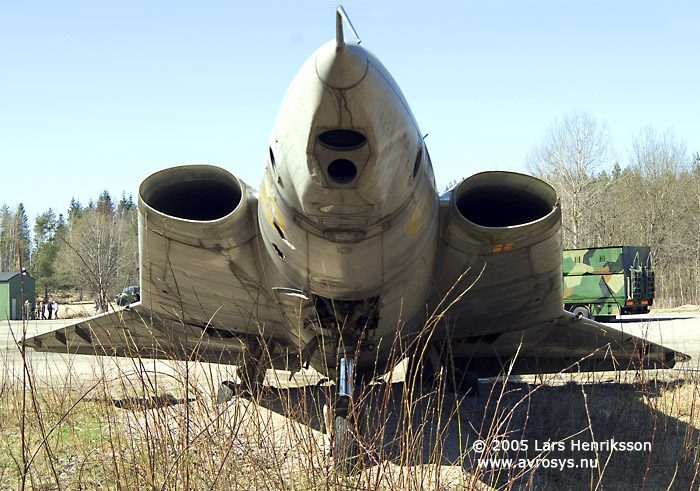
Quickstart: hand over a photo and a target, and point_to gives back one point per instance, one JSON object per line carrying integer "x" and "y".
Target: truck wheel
{"x": 582, "y": 311}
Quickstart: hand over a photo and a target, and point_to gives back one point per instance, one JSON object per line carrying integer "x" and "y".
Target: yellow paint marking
{"x": 420, "y": 215}
{"x": 269, "y": 207}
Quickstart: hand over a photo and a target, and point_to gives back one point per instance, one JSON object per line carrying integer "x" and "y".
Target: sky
{"x": 97, "y": 95}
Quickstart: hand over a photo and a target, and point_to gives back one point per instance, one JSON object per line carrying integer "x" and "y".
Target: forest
{"x": 649, "y": 197}
{"x": 90, "y": 252}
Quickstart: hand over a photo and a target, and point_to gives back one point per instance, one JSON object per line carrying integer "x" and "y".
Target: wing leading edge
{"x": 136, "y": 332}
{"x": 568, "y": 343}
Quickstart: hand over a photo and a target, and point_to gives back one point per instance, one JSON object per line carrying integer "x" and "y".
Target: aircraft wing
{"x": 567, "y": 343}
{"x": 499, "y": 281}
{"x": 135, "y": 331}
{"x": 204, "y": 287}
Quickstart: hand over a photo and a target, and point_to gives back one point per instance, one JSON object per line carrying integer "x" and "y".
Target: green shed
{"x": 11, "y": 294}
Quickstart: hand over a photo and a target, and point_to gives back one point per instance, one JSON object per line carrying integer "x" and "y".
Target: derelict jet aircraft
{"x": 346, "y": 244}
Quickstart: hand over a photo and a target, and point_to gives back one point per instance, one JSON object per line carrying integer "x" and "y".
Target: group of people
{"x": 44, "y": 310}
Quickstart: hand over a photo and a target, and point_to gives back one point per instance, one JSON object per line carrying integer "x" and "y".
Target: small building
{"x": 11, "y": 294}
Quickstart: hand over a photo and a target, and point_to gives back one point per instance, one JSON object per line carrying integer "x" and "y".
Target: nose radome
{"x": 341, "y": 68}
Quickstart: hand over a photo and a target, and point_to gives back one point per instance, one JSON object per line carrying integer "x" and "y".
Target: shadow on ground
{"x": 574, "y": 436}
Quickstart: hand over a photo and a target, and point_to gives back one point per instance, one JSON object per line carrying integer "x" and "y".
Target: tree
{"x": 44, "y": 267}
{"x": 44, "y": 227}
{"x": 75, "y": 211}
{"x": 7, "y": 245}
{"x": 98, "y": 253}
{"x": 23, "y": 234}
{"x": 104, "y": 204}
{"x": 14, "y": 238}
{"x": 45, "y": 252}
{"x": 571, "y": 157}
{"x": 126, "y": 205}
{"x": 664, "y": 208}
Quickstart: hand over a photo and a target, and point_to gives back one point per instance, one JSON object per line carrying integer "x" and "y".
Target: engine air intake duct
{"x": 504, "y": 199}
{"x": 192, "y": 192}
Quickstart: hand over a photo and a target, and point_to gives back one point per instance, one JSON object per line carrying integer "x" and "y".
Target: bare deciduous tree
{"x": 571, "y": 156}
{"x": 663, "y": 207}
{"x": 98, "y": 249}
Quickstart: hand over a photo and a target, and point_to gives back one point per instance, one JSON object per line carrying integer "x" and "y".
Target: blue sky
{"x": 99, "y": 94}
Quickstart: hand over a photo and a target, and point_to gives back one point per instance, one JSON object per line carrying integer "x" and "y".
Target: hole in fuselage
{"x": 342, "y": 140}
{"x": 342, "y": 171}
{"x": 278, "y": 251}
{"x": 419, "y": 159}
{"x": 272, "y": 158}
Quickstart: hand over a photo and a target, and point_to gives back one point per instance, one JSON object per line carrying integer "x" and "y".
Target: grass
{"x": 140, "y": 426}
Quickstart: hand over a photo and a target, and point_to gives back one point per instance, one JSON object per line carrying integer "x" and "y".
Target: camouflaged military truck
{"x": 605, "y": 282}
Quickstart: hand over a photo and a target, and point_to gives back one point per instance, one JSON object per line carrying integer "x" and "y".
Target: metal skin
{"x": 346, "y": 244}
{"x": 373, "y": 237}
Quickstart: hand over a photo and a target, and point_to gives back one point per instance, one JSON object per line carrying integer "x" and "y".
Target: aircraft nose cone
{"x": 341, "y": 68}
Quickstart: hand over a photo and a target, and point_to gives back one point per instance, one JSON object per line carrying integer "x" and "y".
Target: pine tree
{"x": 23, "y": 237}
{"x": 6, "y": 244}
{"x": 104, "y": 204}
{"x": 75, "y": 211}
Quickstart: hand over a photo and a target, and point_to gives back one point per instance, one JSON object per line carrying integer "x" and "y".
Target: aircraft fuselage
{"x": 348, "y": 208}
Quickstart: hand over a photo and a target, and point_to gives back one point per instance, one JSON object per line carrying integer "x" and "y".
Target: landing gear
{"x": 253, "y": 364}
{"x": 431, "y": 365}
{"x": 344, "y": 437}
{"x": 353, "y": 322}
{"x": 227, "y": 391}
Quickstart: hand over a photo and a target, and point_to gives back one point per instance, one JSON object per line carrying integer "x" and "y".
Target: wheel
{"x": 467, "y": 382}
{"x": 227, "y": 390}
{"x": 419, "y": 372}
{"x": 581, "y": 311}
{"x": 345, "y": 447}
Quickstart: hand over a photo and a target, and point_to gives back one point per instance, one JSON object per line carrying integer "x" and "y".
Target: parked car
{"x": 130, "y": 295}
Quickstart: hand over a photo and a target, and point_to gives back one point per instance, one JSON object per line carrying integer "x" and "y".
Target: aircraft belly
{"x": 347, "y": 271}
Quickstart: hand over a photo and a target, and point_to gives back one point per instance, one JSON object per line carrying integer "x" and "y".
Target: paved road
{"x": 678, "y": 329}
{"x": 82, "y": 370}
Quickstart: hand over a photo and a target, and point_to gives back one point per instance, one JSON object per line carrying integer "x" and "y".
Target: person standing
{"x": 55, "y": 309}
{"x": 42, "y": 306}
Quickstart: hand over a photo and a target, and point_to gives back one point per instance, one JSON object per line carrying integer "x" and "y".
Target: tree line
{"x": 650, "y": 197}
{"x": 91, "y": 250}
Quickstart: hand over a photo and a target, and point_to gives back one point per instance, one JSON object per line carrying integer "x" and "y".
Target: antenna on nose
{"x": 339, "y": 18}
